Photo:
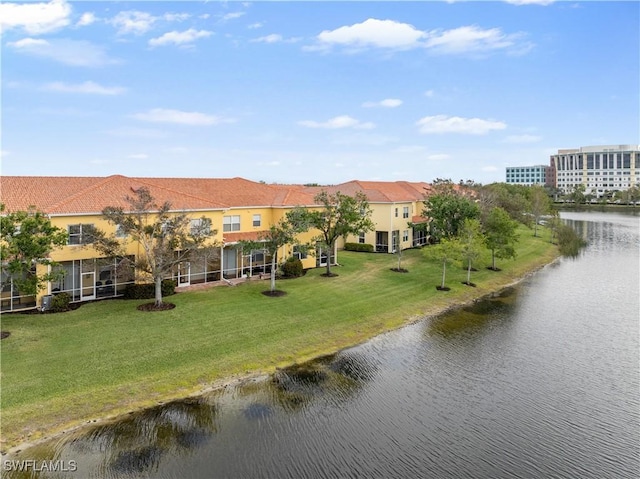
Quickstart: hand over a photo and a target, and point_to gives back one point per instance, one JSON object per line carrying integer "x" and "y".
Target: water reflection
{"x": 542, "y": 380}
{"x": 473, "y": 318}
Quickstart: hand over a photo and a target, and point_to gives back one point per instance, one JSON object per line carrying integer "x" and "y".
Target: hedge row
{"x": 364, "y": 247}
{"x": 148, "y": 290}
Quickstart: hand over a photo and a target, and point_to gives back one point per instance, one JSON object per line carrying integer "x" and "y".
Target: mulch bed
{"x": 493, "y": 269}
{"x": 473, "y": 285}
{"x": 4, "y": 334}
{"x": 153, "y": 307}
{"x": 330, "y": 275}
{"x": 443, "y": 288}
{"x": 274, "y": 294}
{"x": 399, "y": 270}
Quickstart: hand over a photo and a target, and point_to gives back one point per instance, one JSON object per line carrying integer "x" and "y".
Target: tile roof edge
{"x": 219, "y": 205}
{"x": 103, "y": 180}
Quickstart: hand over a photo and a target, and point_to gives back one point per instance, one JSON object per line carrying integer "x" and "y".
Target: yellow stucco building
{"x": 237, "y": 209}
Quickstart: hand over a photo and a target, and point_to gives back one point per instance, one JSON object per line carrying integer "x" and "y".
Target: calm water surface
{"x": 540, "y": 382}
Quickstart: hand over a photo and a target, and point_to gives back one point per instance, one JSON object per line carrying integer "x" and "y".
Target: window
{"x": 361, "y": 238}
{"x": 231, "y": 223}
{"x": 201, "y": 227}
{"x": 405, "y": 235}
{"x": 80, "y": 234}
{"x": 257, "y": 256}
{"x": 120, "y": 233}
{"x": 257, "y": 220}
{"x": 396, "y": 212}
{"x": 405, "y": 212}
{"x": 299, "y": 252}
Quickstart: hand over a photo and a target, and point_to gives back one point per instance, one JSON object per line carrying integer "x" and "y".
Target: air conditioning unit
{"x": 46, "y": 303}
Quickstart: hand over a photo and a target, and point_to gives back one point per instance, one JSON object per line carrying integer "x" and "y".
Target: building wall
{"x": 389, "y": 218}
{"x": 528, "y": 175}
{"x": 601, "y": 169}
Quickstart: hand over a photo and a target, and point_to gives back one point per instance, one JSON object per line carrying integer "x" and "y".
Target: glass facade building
{"x": 528, "y": 175}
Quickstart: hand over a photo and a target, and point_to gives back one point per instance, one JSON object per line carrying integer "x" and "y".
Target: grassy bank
{"x": 106, "y": 358}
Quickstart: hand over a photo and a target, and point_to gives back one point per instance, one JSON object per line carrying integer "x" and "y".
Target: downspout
{"x": 390, "y": 238}
{"x": 222, "y": 261}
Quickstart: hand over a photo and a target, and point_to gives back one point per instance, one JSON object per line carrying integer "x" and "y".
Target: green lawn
{"x": 105, "y": 358}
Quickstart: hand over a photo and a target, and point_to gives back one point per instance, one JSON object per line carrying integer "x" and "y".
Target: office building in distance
{"x": 528, "y": 175}
{"x": 601, "y": 169}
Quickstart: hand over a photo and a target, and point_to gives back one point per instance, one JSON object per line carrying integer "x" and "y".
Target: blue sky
{"x": 326, "y": 92}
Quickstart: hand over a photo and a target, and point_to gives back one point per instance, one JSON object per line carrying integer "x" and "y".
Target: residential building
{"x": 601, "y": 169}
{"x": 397, "y": 208}
{"x": 528, "y": 175}
{"x": 237, "y": 209}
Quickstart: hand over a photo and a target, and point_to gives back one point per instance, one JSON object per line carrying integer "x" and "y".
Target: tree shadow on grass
{"x": 275, "y": 293}
{"x": 153, "y": 307}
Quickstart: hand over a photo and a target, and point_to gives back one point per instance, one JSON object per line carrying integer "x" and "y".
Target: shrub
{"x": 148, "y": 290}
{"x": 60, "y": 302}
{"x": 362, "y": 247}
{"x": 292, "y": 268}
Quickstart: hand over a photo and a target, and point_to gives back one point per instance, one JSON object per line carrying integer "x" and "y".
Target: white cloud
{"x": 337, "y": 122}
{"x": 253, "y": 26}
{"x": 387, "y": 103}
{"x": 273, "y": 38}
{"x": 522, "y": 139}
{"x": 86, "y": 87}
{"x": 232, "y": 16}
{"x": 470, "y": 39}
{"x": 179, "y": 38}
{"x": 372, "y": 33}
{"x": 29, "y": 43}
{"x": 86, "y": 19}
{"x": 429, "y": 93}
{"x": 193, "y": 118}
{"x": 276, "y": 38}
{"x": 389, "y": 34}
{"x": 176, "y": 17}
{"x": 4, "y": 153}
{"x": 132, "y": 21}
{"x": 454, "y": 124}
{"x": 138, "y": 156}
{"x": 69, "y": 52}
{"x": 35, "y": 18}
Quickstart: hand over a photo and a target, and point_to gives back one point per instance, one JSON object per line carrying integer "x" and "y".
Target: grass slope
{"x": 105, "y": 358}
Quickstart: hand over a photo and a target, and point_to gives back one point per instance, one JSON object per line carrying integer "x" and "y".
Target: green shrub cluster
{"x": 292, "y": 268}
{"x": 363, "y": 247}
{"x": 148, "y": 290}
{"x": 60, "y": 302}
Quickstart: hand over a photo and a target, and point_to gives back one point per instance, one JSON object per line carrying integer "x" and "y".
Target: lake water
{"x": 542, "y": 381}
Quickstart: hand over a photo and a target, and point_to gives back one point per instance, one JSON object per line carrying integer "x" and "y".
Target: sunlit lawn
{"x": 107, "y": 357}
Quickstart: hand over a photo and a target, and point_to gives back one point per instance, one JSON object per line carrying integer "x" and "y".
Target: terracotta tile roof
{"x": 379, "y": 191}
{"x": 419, "y": 219}
{"x": 21, "y": 192}
{"x": 76, "y": 195}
